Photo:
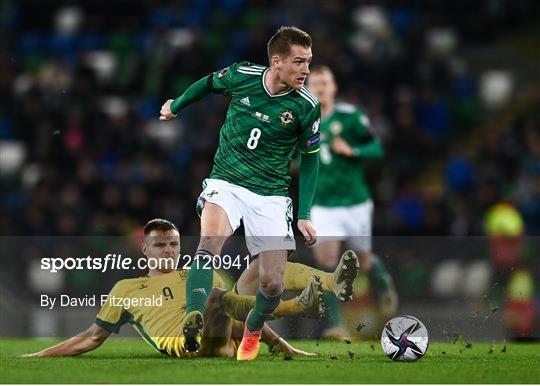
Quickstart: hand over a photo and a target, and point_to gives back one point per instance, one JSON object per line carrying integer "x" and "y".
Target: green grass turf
{"x": 132, "y": 361}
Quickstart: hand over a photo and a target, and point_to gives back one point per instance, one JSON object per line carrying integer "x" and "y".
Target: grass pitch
{"x": 132, "y": 361}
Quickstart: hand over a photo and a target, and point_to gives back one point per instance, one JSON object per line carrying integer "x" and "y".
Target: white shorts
{"x": 346, "y": 223}
{"x": 267, "y": 219}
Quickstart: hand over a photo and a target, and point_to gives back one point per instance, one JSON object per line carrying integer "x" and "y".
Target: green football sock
{"x": 379, "y": 276}
{"x": 199, "y": 283}
{"x": 264, "y": 306}
{"x": 332, "y": 305}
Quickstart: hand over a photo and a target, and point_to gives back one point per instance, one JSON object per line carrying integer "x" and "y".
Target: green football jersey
{"x": 341, "y": 179}
{"x": 261, "y": 131}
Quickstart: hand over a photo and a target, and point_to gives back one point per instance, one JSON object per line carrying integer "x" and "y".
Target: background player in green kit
{"x": 342, "y": 208}
{"x": 271, "y": 113}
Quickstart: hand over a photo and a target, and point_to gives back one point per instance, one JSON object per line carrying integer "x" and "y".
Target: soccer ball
{"x": 404, "y": 338}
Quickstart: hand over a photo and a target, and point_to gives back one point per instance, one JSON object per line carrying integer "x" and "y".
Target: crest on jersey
{"x": 223, "y": 72}
{"x": 286, "y": 117}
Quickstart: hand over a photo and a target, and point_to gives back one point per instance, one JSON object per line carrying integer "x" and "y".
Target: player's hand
{"x": 309, "y": 232}
{"x": 32, "y": 355}
{"x": 286, "y": 348}
{"x": 166, "y": 114}
{"x": 339, "y": 146}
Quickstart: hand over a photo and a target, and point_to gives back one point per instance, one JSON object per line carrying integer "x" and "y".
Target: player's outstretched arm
{"x": 278, "y": 344}
{"x": 196, "y": 91}
{"x": 370, "y": 150}
{"x": 86, "y": 341}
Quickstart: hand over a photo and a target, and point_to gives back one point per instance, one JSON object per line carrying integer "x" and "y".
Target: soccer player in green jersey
{"x": 271, "y": 113}
{"x": 342, "y": 208}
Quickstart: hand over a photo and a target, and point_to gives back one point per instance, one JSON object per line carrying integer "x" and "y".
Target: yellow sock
{"x": 297, "y": 277}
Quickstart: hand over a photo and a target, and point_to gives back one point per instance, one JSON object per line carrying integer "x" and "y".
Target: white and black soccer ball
{"x": 404, "y": 338}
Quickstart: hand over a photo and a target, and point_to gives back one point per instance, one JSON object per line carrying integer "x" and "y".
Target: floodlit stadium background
{"x": 452, "y": 89}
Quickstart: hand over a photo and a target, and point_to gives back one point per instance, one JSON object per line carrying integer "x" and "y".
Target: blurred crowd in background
{"x": 452, "y": 90}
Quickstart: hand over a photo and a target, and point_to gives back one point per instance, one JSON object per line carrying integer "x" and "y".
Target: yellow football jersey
{"x": 154, "y": 306}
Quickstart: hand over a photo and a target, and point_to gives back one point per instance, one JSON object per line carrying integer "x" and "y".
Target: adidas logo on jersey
{"x": 245, "y": 101}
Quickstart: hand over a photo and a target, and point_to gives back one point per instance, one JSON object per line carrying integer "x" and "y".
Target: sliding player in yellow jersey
{"x": 155, "y": 306}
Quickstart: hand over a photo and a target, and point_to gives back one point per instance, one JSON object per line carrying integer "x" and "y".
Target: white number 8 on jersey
{"x": 253, "y": 139}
